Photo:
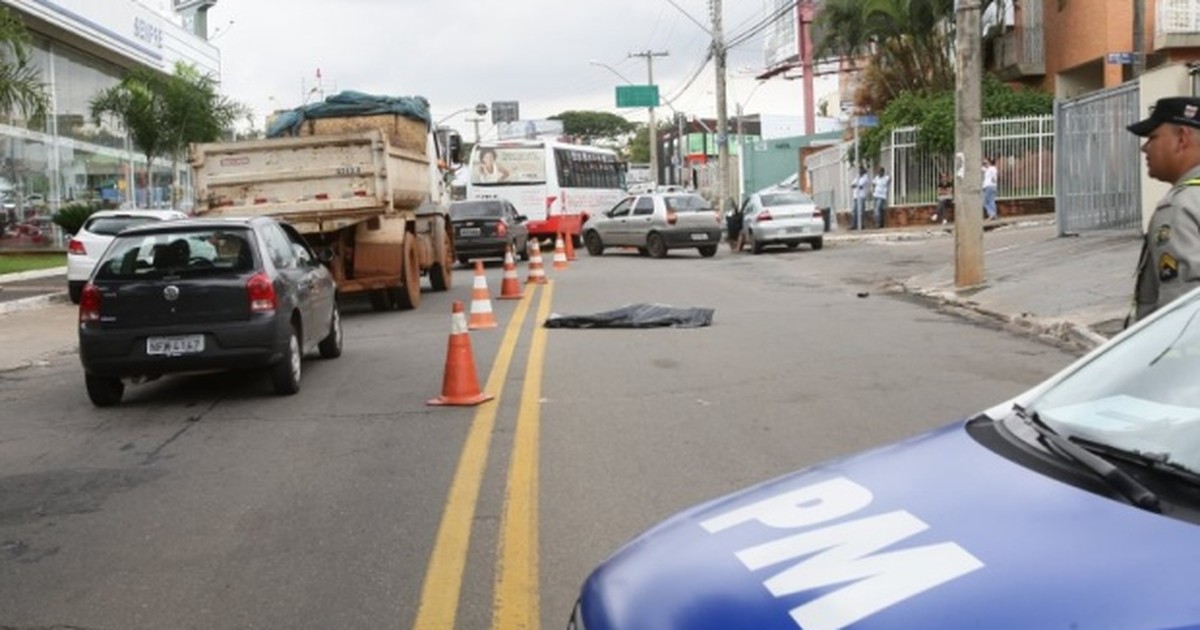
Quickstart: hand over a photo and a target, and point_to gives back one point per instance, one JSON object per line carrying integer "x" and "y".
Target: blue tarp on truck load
{"x": 350, "y": 103}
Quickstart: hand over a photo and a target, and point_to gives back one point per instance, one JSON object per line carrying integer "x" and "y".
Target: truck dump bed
{"x": 318, "y": 183}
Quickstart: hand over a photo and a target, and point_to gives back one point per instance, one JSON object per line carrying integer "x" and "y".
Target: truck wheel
{"x": 408, "y": 296}
{"x": 441, "y": 274}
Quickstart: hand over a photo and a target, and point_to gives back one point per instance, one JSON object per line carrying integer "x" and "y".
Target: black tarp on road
{"x": 637, "y": 316}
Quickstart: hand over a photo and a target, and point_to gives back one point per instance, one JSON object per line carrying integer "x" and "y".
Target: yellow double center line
{"x": 515, "y": 598}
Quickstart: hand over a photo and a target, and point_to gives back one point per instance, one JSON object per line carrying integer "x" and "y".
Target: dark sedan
{"x": 485, "y": 228}
{"x": 205, "y": 294}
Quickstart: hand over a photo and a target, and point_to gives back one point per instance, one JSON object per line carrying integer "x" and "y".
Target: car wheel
{"x": 331, "y": 345}
{"x": 656, "y": 245}
{"x": 595, "y": 246}
{"x": 524, "y": 251}
{"x": 104, "y": 392}
{"x": 708, "y": 251}
{"x": 755, "y": 246}
{"x": 441, "y": 273}
{"x": 408, "y": 297}
{"x": 285, "y": 374}
{"x": 75, "y": 291}
{"x": 818, "y": 243}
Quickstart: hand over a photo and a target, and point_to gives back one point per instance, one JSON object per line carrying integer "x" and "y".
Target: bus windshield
{"x": 509, "y": 165}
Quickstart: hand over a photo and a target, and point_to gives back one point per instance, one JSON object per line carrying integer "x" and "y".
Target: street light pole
{"x": 722, "y": 109}
{"x": 649, "y": 55}
{"x": 968, "y": 219}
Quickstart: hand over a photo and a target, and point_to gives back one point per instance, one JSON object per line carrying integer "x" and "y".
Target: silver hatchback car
{"x": 655, "y": 223}
{"x": 782, "y": 217}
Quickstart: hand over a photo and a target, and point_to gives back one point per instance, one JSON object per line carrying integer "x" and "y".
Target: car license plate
{"x": 798, "y": 230}
{"x": 468, "y": 232}
{"x": 182, "y": 344}
{"x": 699, "y": 236}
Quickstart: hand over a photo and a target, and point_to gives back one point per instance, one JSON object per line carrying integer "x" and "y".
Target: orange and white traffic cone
{"x": 481, "y": 303}
{"x": 537, "y": 275}
{"x": 570, "y": 247}
{"x": 560, "y": 253}
{"x": 460, "y": 386}
{"x": 510, "y": 287}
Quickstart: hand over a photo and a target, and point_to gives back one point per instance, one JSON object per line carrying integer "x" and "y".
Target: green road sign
{"x": 637, "y": 96}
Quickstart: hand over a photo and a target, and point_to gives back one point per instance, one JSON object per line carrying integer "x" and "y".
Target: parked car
{"x": 782, "y": 217}
{"x": 486, "y": 228}
{"x": 205, "y": 294}
{"x": 655, "y": 223}
{"x": 1074, "y": 505}
{"x": 85, "y": 247}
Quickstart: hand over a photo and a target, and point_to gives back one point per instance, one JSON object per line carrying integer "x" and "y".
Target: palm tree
{"x": 906, "y": 44}
{"x": 21, "y": 86}
{"x": 163, "y": 114}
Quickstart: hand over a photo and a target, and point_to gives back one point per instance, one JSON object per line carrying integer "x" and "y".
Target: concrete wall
{"x": 1171, "y": 80}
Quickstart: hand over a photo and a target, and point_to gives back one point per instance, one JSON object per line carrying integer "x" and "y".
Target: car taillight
{"x": 261, "y": 293}
{"x": 817, "y": 214}
{"x": 89, "y": 304}
{"x": 501, "y": 229}
{"x": 765, "y": 215}
{"x": 672, "y": 218}
{"x": 76, "y": 247}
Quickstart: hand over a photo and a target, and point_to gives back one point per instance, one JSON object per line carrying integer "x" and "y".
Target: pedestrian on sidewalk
{"x": 860, "y": 198}
{"x": 989, "y": 187}
{"x": 880, "y": 193}
{"x": 1169, "y": 265}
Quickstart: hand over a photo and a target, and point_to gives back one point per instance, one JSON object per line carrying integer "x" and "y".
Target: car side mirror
{"x": 520, "y": 218}
{"x": 325, "y": 255}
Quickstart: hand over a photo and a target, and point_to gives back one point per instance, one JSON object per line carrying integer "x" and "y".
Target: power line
{"x": 761, "y": 26}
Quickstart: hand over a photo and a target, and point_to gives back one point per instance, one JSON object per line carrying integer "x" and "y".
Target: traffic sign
{"x": 637, "y": 96}
{"x": 505, "y": 111}
{"x": 866, "y": 121}
{"x": 1121, "y": 58}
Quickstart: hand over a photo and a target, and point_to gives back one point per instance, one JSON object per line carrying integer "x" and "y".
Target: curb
{"x": 35, "y": 302}
{"x": 21, "y": 276}
{"x": 923, "y": 232}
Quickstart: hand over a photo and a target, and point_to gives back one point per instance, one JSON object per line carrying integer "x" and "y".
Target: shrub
{"x": 72, "y": 216}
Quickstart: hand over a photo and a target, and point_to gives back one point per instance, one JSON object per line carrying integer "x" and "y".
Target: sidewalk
{"x": 1076, "y": 289}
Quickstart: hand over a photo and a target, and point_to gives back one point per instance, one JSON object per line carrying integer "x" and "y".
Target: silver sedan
{"x": 784, "y": 217}
{"x": 655, "y": 223}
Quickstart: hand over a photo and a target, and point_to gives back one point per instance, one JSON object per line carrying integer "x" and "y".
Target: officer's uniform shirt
{"x": 1170, "y": 262}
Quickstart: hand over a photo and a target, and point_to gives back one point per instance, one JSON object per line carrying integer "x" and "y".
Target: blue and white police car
{"x": 1074, "y": 505}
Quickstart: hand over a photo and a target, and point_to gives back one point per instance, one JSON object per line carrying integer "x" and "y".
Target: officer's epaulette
{"x": 1195, "y": 181}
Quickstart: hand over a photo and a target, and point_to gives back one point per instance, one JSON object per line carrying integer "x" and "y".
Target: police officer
{"x": 1170, "y": 259}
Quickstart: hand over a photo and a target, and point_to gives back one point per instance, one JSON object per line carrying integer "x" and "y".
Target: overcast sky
{"x": 457, "y": 54}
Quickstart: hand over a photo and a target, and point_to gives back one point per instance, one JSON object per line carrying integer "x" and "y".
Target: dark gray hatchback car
{"x": 205, "y": 294}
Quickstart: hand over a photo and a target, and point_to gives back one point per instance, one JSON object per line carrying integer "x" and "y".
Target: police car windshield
{"x": 1141, "y": 395}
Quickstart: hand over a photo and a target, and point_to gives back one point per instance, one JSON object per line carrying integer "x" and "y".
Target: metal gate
{"x": 1097, "y": 166}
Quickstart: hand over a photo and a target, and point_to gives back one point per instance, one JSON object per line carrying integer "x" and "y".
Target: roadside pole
{"x": 968, "y": 200}
{"x": 722, "y": 112}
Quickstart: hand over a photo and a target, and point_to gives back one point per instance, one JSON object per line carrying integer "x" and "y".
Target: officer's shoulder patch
{"x": 1168, "y": 268}
{"x": 1163, "y": 235}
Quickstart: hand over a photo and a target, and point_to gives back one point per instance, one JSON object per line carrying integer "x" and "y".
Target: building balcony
{"x": 1178, "y": 25}
{"x": 1020, "y": 53}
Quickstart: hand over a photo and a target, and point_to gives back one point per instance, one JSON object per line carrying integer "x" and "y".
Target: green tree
{"x": 163, "y": 114}
{"x": 21, "y": 86}
{"x": 907, "y": 45}
{"x": 590, "y": 126}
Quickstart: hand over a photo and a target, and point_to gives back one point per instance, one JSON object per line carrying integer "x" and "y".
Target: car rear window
{"x": 196, "y": 252}
{"x": 786, "y": 199}
{"x": 687, "y": 203}
{"x": 110, "y": 226}
{"x": 476, "y": 210}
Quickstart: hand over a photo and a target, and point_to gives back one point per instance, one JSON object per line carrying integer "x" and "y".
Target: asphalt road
{"x": 206, "y": 502}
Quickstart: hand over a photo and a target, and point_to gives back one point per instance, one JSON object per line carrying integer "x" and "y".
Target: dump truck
{"x": 364, "y": 184}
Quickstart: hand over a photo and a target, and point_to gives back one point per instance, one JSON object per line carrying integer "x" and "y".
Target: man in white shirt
{"x": 989, "y": 188}
{"x": 860, "y": 198}
{"x": 882, "y": 179}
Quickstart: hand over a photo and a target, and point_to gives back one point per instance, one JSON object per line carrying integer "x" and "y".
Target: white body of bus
{"x": 554, "y": 184}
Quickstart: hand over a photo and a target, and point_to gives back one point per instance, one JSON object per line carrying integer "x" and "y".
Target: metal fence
{"x": 829, "y": 174}
{"x": 1098, "y": 165}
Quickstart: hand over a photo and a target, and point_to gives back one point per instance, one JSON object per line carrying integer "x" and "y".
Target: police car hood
{"x": 934, "y": 532}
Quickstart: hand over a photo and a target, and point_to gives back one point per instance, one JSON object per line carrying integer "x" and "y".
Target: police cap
{"x": 1179, "y": 110}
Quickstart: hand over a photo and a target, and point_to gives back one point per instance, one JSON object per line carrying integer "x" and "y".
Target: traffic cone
{"x": 460, "y": 386}
{"x": 570, "y": 247}
{"x": 560, "y": 253}
{"x": 510, "y": 287}
{"x": 481, "y": 304}
{"x": 537, "y": 275}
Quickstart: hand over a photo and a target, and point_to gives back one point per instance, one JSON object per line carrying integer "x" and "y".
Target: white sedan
{"x": 782, "y": 217}
{"x": 85, "y": 248}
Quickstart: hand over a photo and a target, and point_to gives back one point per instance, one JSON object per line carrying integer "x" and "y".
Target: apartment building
{"x": 1073, "y": 47}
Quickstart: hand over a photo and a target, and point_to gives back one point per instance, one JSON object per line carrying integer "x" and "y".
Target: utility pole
{"x": 804, "y": 18}
{"x": 1139, "y": 38}
{"x": 653, "y": 135}
{"x": 968, "y": 202}
{"x": 722, "y": 112}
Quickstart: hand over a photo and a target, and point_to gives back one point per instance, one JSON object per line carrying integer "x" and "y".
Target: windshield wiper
{"x": 1117, "y": 479}
{"x": 1158, "y": 462}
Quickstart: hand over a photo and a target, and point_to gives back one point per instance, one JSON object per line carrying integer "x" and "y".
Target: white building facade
{"x": 83, "y": 47}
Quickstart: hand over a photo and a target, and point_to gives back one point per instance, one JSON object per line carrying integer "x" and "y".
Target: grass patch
{"x": 12, "y": 263}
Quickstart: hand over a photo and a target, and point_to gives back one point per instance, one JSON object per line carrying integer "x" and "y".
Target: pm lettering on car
{"x": 848, "y": 559}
